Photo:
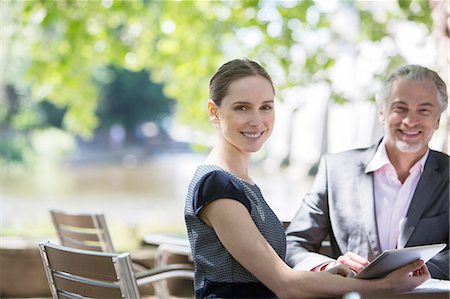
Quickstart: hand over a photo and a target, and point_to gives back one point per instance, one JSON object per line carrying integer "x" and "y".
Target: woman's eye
{"x": 241, "y": 108}
{"x": 266, "y": 107}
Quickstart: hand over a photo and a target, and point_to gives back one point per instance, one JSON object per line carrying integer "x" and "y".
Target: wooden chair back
{"x": 75, "y": 273}
{"x": 82, "y": 231}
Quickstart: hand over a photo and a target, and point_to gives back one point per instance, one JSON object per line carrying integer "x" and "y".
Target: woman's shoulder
{"x": 214, "y": 176}
{"x": 207, "y": 170}
{"x": 203, "y": 169}
{"x": 211, "y": 183}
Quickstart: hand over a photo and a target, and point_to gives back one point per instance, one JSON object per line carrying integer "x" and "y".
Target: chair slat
{"x": 78, "y": 220}
{"x": 86, "y": 289}
{"x": 91, "y": 266}
{"x": 81, "y": 245}
{"x": 65, "y": 295}
{"x": 79, "y": 235}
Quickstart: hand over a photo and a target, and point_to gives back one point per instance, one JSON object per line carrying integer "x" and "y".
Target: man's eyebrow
{"x": 400, "y": 102}
{"x": 393, "y": 103}
{"x": 427, "y": 104}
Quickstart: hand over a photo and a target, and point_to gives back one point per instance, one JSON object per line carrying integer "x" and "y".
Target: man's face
{"x": 411, "y": 116}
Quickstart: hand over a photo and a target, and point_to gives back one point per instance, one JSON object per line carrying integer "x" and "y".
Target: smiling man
{"x": 394, "y": 194}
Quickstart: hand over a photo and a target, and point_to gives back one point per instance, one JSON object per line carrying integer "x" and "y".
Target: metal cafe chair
{"x": 75, "y": 273}
{"x": 89, "y": 231}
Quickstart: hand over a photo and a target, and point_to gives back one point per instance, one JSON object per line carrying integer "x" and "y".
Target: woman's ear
{"x": 212, "y": 111}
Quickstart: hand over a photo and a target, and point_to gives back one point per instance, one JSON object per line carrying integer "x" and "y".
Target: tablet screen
{"x": 392, "y": 259}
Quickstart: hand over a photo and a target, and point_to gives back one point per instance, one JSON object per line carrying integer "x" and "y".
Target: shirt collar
{"x": 381, "y": 159}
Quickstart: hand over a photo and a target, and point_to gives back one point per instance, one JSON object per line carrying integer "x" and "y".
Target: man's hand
{"x": 353, "y": 261}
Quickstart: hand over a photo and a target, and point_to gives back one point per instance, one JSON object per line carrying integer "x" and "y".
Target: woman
{"x": 237, "y": 242}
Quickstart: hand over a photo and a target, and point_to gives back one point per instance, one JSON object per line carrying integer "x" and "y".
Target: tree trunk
{"x": 441, "y": 32}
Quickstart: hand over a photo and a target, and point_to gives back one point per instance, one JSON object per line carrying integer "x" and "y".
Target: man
{"x": 394, "y": 194}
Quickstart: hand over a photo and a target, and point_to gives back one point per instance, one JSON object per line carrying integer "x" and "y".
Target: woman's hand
{"x": 408, "y": 277}
{"x": 341, "y": 270}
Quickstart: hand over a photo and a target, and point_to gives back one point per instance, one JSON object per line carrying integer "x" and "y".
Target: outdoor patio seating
{"x": 86, "y": 231}
{"x": 72, "y": 273}
{"x": 89, "y": 231}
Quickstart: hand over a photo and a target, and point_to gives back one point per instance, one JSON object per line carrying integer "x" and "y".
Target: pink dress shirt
{"x": 392, "y": 198}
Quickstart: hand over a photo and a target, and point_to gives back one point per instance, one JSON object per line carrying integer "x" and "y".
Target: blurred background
{"x": 103, "y": 103}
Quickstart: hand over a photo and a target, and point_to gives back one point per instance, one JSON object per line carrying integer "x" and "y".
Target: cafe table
{"x": 431, "y": 289}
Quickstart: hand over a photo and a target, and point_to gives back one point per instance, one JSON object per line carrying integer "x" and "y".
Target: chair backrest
{"x": 82, "y": 231}
{"x": 75, "y": 273}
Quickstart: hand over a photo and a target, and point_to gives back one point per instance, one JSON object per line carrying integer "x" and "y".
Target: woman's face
{"x": 246, "y": 116}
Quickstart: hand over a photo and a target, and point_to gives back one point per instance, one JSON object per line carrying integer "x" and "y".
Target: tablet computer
{"x": 392, "y": 259}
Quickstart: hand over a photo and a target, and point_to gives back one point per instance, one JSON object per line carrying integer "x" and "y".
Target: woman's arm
{"x": 240, "y": 236}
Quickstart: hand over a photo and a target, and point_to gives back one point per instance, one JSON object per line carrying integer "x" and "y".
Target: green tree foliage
{"x": 130, "y": 99}
{"x": 63, "y": 47}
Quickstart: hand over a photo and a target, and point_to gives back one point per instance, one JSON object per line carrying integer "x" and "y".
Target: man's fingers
{"x": 357, "y": 258}
{"x": 353, "y": 261}
{"x": 349, "y": 263}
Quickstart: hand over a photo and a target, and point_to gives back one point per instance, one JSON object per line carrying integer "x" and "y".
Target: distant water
{"x": 137, "y": 196}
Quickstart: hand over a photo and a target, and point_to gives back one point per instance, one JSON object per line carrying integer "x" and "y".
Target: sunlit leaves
{"x": 417, "y": 11}
{"x": 181, "y": 43}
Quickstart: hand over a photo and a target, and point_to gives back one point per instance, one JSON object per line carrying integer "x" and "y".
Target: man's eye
{"x": 266, "y": 107}
{"x": 399, "y": 109}
{"x": 424, "y": 111}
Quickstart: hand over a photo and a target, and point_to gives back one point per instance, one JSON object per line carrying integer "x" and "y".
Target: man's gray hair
{"x": 413, "y": 72}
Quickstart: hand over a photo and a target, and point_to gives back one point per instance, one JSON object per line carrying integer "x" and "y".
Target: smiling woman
{"x": 241, "y": 109}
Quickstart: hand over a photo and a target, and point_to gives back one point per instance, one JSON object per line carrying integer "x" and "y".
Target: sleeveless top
{"x": 217, "y": 273}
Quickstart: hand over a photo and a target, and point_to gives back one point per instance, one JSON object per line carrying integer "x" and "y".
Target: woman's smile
{"x": 253, "y": 135}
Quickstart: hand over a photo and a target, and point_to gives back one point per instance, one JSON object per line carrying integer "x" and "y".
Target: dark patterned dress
{"x": 217, "y": 273}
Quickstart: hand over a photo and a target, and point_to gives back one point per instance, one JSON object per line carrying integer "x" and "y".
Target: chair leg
{"x": 161, "y": 288}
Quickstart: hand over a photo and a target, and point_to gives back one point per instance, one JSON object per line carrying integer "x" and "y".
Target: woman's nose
{"x": 255, "y": 119}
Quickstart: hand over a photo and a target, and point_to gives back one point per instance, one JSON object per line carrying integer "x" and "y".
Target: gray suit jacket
{"x": 341, "y": 205}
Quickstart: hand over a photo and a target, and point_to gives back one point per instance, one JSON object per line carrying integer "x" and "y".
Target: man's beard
{"x": 406, "y": 147}
{"x": 403, "y": 146}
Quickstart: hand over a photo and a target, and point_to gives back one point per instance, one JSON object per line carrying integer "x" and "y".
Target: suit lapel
{"x": 367, "y": 201}
{"x": 429, "y": 180}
